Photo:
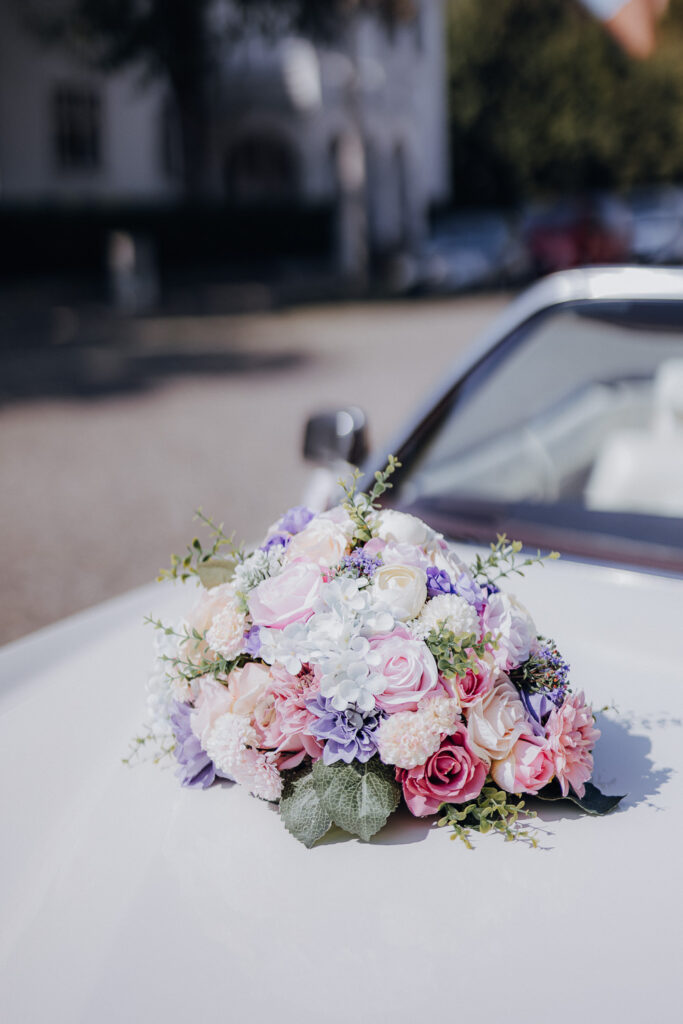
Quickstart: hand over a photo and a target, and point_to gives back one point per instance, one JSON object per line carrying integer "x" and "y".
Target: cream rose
{"x": 496, "y": 722}
{"x": 401, "y": 589}
{"x": 322, "y": 542}
{"x": 401, "y": 528}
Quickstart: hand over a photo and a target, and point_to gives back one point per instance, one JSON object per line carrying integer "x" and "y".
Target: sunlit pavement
{"x": 110, "y": 447}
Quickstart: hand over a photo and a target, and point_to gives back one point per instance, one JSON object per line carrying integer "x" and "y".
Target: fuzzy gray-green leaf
{"x": 358, "y": 797}
{"x": 301, "y": 811}
{"x": 215, "y": 571}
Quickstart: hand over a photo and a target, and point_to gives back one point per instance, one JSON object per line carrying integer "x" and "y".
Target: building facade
{"x": 360, "y": 124}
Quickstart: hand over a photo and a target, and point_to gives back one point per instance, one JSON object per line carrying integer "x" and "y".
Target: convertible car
{"x": 128, "y": 898}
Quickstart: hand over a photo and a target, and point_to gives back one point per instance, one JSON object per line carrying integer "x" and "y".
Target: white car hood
{"x": 128, "y": 898}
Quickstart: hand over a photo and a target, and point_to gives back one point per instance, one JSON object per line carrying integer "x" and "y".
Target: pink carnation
{"x": 571, "y": 736}
{"x": 287, "y": 730}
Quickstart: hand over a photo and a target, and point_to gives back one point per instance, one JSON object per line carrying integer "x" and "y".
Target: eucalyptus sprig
{"x": 360, "y": 505}
{"x": 455, "y": 655}
{"x": 494, "y": 810}
{"x": 502, "y": 561}
{"x": 191, "y": 668}
{"x": 204, "y": 562}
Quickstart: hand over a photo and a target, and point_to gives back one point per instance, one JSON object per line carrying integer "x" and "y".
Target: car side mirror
{"x": 339, "y": 435}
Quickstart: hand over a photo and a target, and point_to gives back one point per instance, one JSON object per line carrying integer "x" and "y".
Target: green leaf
{"x": 592, "y": 802}
{"x": 358, "y": 797}
{"x": 215, "y": 571}
{"x": 301, "y": 811}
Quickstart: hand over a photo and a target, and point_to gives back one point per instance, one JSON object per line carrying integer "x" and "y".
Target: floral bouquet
{"x": 351, "y": 661}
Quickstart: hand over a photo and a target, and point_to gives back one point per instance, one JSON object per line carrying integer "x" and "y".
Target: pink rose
{"x": 408, "y": 668}
{"x": 527, "y": 768}
{"x": 475, "y": 685}
{"x": 287, "y": 597}
{"x": 247, "y": 687}
{"x": 453, "y": 775}
{"x": 322, "y": 541}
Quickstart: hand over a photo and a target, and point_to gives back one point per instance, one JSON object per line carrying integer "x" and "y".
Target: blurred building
{"x": 360, "y": 124}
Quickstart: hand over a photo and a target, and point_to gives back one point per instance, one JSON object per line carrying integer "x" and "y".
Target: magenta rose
{"x": 453, "y": 775}
{"x": 408, "y": 668}
{"x": 473, "y": 686}
{"x": 287, "y": 597}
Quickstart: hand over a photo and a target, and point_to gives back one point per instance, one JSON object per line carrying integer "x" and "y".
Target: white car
{"x": 126, "y": 898}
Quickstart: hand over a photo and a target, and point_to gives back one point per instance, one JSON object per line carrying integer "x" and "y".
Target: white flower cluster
{"x": 453, "y": 611}
{"x": 230, "y": 745}
{"x": 258, "y": 566}
{"x": 335, "y": 640}
{"x": 160, "y": 695}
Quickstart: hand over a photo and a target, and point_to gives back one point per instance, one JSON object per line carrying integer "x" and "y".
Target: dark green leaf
{"x": 358, "y": 797}
{"x": 592, "y": 802}
{"x": 301, "y": 810}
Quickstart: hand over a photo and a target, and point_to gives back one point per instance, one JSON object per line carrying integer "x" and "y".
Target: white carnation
{"x": 408, "y": 738}
{"x": 453, "y": 611}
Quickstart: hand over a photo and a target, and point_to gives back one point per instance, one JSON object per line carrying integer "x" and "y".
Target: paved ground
{"x": 107, "y": 447}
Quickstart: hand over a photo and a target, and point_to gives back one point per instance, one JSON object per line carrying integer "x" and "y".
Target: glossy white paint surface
{"x": 127, "y": 898}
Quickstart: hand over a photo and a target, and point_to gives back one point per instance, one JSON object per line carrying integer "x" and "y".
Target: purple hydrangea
{"x": 468, "y": 588}
{"x": 438, "y": 582}
{"x": 349, "y": 734}
{"x": 294, "y": 520}
{"x": 277, "y": 540}
{"x": 252, "y": 642}
{"x": 195, "y": 767}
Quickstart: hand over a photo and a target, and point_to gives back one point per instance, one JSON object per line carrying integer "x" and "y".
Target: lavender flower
{"x": 358, "y": 563}
{"x": 294, "y": 520}
{"x": 350, "y": 734}
{"x": 195, "y": 767}
{"x": 252, "y": 642}
{"x": 543, "y": 680}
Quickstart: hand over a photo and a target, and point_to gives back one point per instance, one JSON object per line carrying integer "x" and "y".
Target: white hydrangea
{"x": 408, "y": 738}
{"x": 348, "y": 676}
{"x": 453, "y": 611}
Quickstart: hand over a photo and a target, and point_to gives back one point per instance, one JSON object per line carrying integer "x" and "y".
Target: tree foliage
{"x": 542, "y": 101}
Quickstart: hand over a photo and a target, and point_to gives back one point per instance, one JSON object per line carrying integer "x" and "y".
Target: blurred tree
{"x": 543, "y": 102}
{"x": 182, "y": 40}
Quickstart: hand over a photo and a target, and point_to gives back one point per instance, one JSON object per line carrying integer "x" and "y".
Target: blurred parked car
{"x": 470, "y": 250}
{"x": 588, "y": 230}
{"x": 657, "y": 224}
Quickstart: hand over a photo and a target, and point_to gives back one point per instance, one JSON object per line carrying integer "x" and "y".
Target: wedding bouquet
{"x": 353, "y": 660}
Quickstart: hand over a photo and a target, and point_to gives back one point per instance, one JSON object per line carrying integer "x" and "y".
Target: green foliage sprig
{"x": 502, "y": 561}
{"x": 455, "y": 655}
{"x": 188, "y": 668}
{"x": 360, "y": 505}
{"x": 210, "y": 564}
{"x": 494, "y": 810}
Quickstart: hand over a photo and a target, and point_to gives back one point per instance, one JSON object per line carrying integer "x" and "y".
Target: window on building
{"x": 77, "y": 120}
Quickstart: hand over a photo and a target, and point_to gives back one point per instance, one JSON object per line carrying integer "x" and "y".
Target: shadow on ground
{"x": 84, "y": 371}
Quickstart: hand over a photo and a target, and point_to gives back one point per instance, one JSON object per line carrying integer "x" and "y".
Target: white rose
{"x": 495, "y": 723}
{"x": 401, "y": 528}
{"x": 447, "y": 561}
{"x": 322, "y": 542}
{"x": 401, "y": 589}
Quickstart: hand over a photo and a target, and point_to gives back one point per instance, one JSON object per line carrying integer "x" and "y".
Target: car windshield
{"x": 569, "y": 433}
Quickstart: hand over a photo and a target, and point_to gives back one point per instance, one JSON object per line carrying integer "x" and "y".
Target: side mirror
{"x": 337, "y": 436}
